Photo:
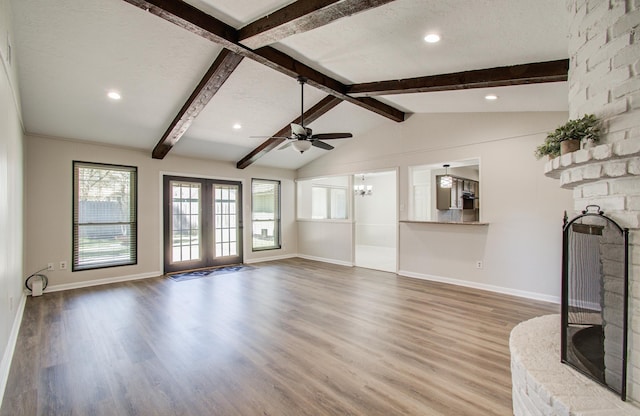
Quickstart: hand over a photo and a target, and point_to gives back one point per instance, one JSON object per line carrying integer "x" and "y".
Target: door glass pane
{"x": 224, "y": 207}
{"x": 186, "y": 221}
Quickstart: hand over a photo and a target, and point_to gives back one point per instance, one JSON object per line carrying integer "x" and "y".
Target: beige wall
{"x": 11, "y": 202}
{"x": 520, "y": 248}
{"x": 328, "y": 241}
{"x": 49, "y": 206}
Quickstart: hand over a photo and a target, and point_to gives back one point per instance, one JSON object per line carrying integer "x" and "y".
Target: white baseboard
{"x": 322, "y": 259}
{"x": 5, "y": 365}
{"x": 483, "y": 286}
{"x": 273, "y": 258}
{"x": 98, "y": 282}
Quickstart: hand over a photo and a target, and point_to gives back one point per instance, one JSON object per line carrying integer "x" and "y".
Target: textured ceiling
{"x": 71, "y": 52}
{"x": 387, "y": 42}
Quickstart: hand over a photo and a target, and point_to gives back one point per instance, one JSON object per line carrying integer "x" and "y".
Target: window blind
{"x": 265, "y": 214}
{"x": 104, "y": 215}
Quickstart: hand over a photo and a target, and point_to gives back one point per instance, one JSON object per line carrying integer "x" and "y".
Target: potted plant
{"x": 549, "y": 148}
{"x": 573, "y": 132}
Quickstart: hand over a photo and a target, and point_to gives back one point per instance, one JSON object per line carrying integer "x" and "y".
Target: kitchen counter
{"x": 445, "y": 222}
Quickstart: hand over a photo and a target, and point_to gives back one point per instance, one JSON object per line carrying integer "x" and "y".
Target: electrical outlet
{"x": 479, "y": 264}
{"x": 63, "y": 265}
{"x": 50, "y": 267}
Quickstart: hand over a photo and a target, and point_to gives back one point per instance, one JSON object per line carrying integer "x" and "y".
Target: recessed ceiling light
{"x": 490, "y": 97}
{"x": 432, "y": 38}
{"x": 237, "y": 126}
{"x": 114, "y": 95}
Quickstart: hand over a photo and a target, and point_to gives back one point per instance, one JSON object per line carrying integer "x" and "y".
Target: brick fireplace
{"x": 604, "y": 79}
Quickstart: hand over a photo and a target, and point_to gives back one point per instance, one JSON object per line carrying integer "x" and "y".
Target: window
{"x": 328, "y": 203}
{"x": 265, "y": 214}
{"x": 104, "y": 215}
{"x": 323, "y": 198}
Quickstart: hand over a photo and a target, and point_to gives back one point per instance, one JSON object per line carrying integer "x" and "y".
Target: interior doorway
{"x": 376, "y": 220}
{"x": 202, "y": 223}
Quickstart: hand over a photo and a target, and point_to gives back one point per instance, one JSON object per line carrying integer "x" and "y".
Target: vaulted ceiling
{"x": 188, "y": 72}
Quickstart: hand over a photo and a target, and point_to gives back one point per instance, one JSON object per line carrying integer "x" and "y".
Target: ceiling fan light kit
{"x": 301, "y": 145}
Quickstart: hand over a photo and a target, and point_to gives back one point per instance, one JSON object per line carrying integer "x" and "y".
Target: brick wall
{"x": 604, "y": 48}
{"x": 604, "y": 79}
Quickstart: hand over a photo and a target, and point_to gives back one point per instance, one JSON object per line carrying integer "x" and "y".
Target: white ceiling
{"x": 71, "y": 52}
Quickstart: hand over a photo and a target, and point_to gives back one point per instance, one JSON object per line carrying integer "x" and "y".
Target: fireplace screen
{"x": 594, "y": 298}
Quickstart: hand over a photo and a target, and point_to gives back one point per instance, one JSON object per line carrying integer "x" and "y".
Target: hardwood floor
{"x": 292, "y": 337}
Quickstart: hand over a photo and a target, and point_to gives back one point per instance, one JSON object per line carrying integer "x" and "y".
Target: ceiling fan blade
{"x": 321, "y": 145}
{"x": 329, "y": 136}
{"x": 269, "y": 137}
{"x": 298, "y": 130}
{"x": 286, "y": 145}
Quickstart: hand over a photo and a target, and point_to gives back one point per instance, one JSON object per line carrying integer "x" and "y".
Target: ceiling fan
{"x": 302, "y": 138}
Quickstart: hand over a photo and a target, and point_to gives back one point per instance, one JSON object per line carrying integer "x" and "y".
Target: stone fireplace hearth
{"x": 542, "y": 385}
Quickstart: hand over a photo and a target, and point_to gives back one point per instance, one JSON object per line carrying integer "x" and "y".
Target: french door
{"x": 202, "y": 223}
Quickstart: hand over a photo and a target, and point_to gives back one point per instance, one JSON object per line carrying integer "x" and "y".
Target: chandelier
{"x": 362, "y": 189}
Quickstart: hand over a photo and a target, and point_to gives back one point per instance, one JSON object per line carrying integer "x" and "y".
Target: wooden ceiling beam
{"x": 532, "y": 73}
{"x": 202, "y": 24}
{"x": 276, "y": 139}
{"x": 192, "y": 19}
{"x": 299, "y": 17}
{"x": 223, "y": 66}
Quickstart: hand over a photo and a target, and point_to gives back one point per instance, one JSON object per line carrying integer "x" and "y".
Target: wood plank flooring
{"x": 292, "y": 337}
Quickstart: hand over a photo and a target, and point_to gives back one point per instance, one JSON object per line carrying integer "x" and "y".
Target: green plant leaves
{"x": 585, "y": 128}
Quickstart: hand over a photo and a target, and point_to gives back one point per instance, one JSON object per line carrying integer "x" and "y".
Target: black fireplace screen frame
{"x": 594, "y": 211}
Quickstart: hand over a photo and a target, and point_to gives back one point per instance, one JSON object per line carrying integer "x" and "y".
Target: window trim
{"x": 75, "y": 224}
{"x": 277, "y": 221}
